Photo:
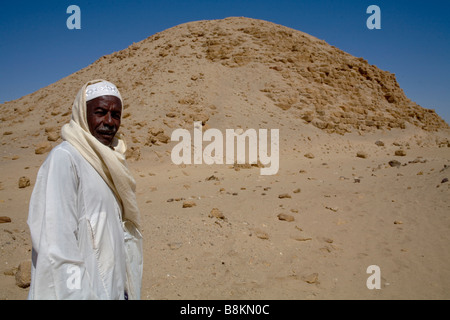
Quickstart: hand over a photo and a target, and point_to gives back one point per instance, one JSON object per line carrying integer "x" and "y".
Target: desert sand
{"x": 362, "y": 179}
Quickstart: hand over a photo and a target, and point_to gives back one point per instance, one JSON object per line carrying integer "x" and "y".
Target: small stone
{"x": 175, "y": 245}
{"x": 10, "y": 272}
{"x": 189, "y": 204}
{"x": 155, "y": 131}
{"x": 361, "y": 154}
{"x": 23, "y": 274}
{"x": 285, "y": 217}
{"x": 400, "y": 153}
{"x": 302, "y": 239}
{"x": 334, "y": 209}
{"x": 308, "y": 117}
{"x": 395, "y": 163}
{"x": 162, "y": 138}
{"x": 5, "y": 219}
{"x": 444, "y": 180}
{"x": 133, "y": 153}
{"x": 261, "y": 234}
{"x": 200, "y": 117}
{"x": 284, "y": 195}
{"x": 398, "y": 222}
{"x": 379, "y": 143}
{"x": 53, "y": 136}
{"x": 298, "y": 190}
{"x": 311, "y": 278}
{"x": 43, "y": 147}
{"x": 24, "y": 182}
{"x": 216, "y": 213}
{"x": 309, "y": 155}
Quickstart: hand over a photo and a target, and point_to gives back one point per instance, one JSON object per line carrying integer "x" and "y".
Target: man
{"x": 83, "y": 215}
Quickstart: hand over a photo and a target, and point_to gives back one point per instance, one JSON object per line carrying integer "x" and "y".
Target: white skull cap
{"x": 103, "y": 88}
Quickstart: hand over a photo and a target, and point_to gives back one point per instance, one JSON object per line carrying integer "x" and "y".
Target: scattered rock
{"x": 23, "y": 274}
{"x": 213, "y": 177}
{"x": 334, "y": 209}
{"x": 308, "y": 117}
{"x": 43, "y": 147}
{"x": 157, "y": 136}
{"x": 379, "y": 143}
{"x": 444, "y": 180}
{"x": 400, "y": 152}
{"x": 216, "y": 213}
{"x": 5, "y": 219}
{"x": 24, "y": 182}
{"x": 155, "y": 131}
{"x": 395, "y": 163}
{"x": 361, "y": 154}
{"x": 53, "y": 136}
{"x": 311, "y": 278}
{"x": 10, "y": 272}
{"x": 298, "y": 190}
{"x": 189, "y": 204}
{"x": 175, "y": 245}
{"x": 285, "y": 217}
{"x": 203, "y": 117}
{"x": 261, "y": 234}
{"x": 284, "y": 196}
{"x": 418, "y": 160}
{"x": 133, "y": 153}
{"x": 301, "y": 239}
{"x": 309, "y": 155}
{"x": 162, "y": 138}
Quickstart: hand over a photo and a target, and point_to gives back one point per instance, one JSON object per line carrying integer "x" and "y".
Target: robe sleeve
{"x": 58, "y": 266}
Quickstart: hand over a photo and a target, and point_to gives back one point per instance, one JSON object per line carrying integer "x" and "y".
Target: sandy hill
{"x": 223, "y": 69}
{"x": 342, "y": 124}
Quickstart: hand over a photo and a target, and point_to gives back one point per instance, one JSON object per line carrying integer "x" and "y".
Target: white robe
{"x": 81, "y": 247}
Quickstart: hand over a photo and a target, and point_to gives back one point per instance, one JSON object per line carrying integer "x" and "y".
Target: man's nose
{"x": 108, "y": 120}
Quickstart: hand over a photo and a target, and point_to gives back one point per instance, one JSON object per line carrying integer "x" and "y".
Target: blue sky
{"x": 37, "y": 48}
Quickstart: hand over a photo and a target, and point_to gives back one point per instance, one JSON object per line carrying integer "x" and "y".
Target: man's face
{"x": 103, "y": 117}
